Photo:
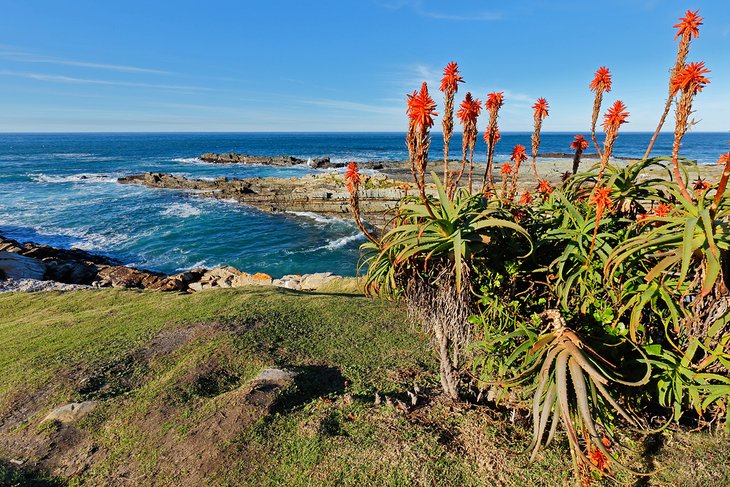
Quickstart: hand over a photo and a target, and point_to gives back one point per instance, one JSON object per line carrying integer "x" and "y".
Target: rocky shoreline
{"x": 324, "y": 194}
{"x": 34, "y": 267}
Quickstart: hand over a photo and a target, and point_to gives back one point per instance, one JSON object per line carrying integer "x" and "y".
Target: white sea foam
{"x": 193, "y": 160}
{"x": 317, "y": 217}
{"x": 74, "y": 178}
{"x": 341, "y": 242}
{"x": 182, "y": 210}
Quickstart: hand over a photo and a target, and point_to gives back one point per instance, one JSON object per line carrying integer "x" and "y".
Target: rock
{"x": 33, "y": 285}
{"x": 195, "y": 286}
{"x": 126, "y": 277}
{"x": 235, "y": 158}
{"x": 267, "y": 385}
{"x": 310, "y": 282}
{"x": 261, "y": 279}
{"x": 16, "y": 266}
{"x": 272, "y": 374}
{"x": 71, "y": 412}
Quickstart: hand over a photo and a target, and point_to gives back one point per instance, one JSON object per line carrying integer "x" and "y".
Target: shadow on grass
{"x": 17, "y": 476}
{"x": 312, "y": 382}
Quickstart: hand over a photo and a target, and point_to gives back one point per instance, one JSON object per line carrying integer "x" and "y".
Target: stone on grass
{"x": 71, "y": 412}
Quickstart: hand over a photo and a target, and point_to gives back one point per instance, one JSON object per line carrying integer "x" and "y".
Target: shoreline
{"x": 31, "y": 267}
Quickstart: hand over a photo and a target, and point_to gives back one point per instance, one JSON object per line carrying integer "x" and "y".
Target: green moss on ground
{"x": 167, "y": 370}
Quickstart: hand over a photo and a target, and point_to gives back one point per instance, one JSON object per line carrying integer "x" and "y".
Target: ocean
{"x": 61, "y": 190}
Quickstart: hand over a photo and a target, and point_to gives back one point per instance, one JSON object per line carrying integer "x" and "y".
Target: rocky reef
{"x": 36, "y": 267}
{"x": 325, "y": 194}
{"x": 281, "y": 161}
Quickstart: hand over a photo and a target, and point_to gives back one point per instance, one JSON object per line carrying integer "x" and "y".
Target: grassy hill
{"x": 171, "y": 374}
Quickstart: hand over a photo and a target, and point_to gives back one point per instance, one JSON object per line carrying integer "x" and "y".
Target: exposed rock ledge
{"x": 35, "y": 267}
{"x": 235, "y": 158}
{"x": 325, "y": 194}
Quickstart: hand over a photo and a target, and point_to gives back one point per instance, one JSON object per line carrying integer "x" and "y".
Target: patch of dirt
{"x": 198, "y": 453}
{"x": 67, "y": 450}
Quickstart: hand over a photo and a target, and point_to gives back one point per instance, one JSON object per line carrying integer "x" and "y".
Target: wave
{"x": 317, "y": 217}
{"x": 182, "y": 210}
{"x": 193, "y": 160}
{"x": 74, "y": 178}
{"x": 341, "y": 242}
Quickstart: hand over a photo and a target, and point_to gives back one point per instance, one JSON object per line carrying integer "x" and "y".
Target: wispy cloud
{"x": 54, "y": 78}
{"x": 349, "y": 106}
{"x": 477, "y": 16}
{"x": 418, "y": 7}
{"x": 18, "y": 54}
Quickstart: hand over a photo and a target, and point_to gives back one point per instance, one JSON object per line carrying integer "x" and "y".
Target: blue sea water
{"x": 60, "y": 189}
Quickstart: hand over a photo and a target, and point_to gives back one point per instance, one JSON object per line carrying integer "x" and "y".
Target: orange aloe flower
{"x": 526, "y": 198}
{"x": 353, "y": 177}
{"x": 601, "y": 80}
{"x": 690, "y": 78}
{"x": 470, "y": 110}
{"x": 662, "y": 210}
{"x": 544, "y": 187}
{"x": 541, "y": 108}
{"x": 601, "y": 198}
{"x": 451, "y": 79}
{"x": 506, "y": 169}
{"x": 689, "y": 24}
{"x": 519, "y": 154}
{"x": 421, "y": 108}
{"x": 497, "y": 136}
{"x": 579, "y": 142}
{"x": 616, "y": 116}
{"x": 722, "y": 160}
{"x": 495, "y": 100}
{"x": 598, "y": 458}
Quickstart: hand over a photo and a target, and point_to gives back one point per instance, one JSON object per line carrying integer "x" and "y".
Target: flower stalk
{"x": 541, "y": 111}
{"x": 613, "y": 119}
{"x": 353, "y": 179}
{"x": 687, "y": 28}
{"x": 688, "y": 81}
{"x": 449, "y": 86}
{"x": 579, "y": 144}
{"x": 518, "y": 156}
{"x": 491, "y": 135}
{"x": 468, "y": 113}
{"x": 421, "y": 110}
{"x": 601, "y": 84}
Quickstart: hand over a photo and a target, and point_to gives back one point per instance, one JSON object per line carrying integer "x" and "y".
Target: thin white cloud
{"x": 477, "y": 16}
{"x": 417, "y": 6}
{"x": 518, "y": 97}
{"x": 53, "y": 78}
{"x": 350, "y": 106}
{"x": 19, "y": 55}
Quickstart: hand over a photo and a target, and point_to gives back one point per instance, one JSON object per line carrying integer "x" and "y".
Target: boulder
{"x": 125, "y": 277}
{"x": 71, "y": 412}
{"x": 16, "y": 266}
{"x": 261, "y": 279}
{"x": 310, "y": 282}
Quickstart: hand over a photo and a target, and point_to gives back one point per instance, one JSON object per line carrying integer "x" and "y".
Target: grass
{"x": 168, "y": 371}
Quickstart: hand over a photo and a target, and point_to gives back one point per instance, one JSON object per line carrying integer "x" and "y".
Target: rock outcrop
{"x": 16, "y": 266}
{"x": 37, "y": 267}
{"x": 282, "y": 161}
{"x": 324, "y": 194}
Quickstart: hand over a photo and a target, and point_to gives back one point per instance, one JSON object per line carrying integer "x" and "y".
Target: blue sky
{"x": 339, "y": 65}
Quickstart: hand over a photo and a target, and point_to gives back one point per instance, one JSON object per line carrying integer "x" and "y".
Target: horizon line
{"x": 89, "y": 132}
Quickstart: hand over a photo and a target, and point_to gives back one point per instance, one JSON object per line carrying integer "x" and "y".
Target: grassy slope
{"x": 110, "y": 345}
